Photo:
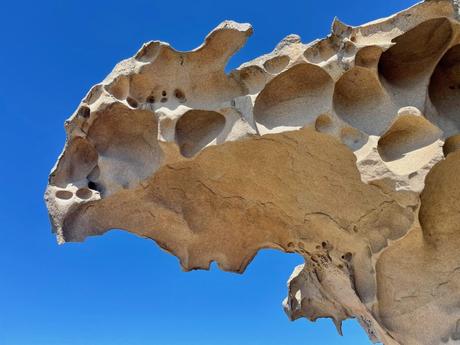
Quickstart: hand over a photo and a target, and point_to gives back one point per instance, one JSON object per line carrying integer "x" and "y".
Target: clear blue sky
{"x": 119, "y": 289}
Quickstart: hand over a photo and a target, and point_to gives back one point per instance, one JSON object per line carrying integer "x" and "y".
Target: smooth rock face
{"x": 344, "y": 150}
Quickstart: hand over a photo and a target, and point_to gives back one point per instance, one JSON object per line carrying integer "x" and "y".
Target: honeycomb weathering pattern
{"x": 344, "y": 150}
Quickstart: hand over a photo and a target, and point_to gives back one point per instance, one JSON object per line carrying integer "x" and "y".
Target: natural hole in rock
{"x": 84, "y": 111}
{"x": 64, "y": 194}
{"x": 140, "y": 86}
{"x": 276, "y": 64}
{"x": 320, "y": 52}
{"x": 361, "y": 101}
{"x": 408, "y": 144}
{"x": 132, "y": 102}
{"x": 445, "y": 93}
{"x": 415, "y": 51}
{"x": 94, "y": 94}
{"x": 127, "y": 146}
{"x": 93, "y": 185}
{"x": 347, "y": 256}
{"x": 179, "y": 95}
{"x": 119, "y": 88}
{"x": 196, "y": 129}
{"x": 148, "y": 52}
{"x": 77, "y": 162}
{"x": 84, "y": 193}
{"x": 294, "y": 98}
{"x": 253, "y": 77}
{"x": 151, "y": 99}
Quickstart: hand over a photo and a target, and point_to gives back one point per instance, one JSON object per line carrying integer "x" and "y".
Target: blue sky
{"x": 119, "y": 289}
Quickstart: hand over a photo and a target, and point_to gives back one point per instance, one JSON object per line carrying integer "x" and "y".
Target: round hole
{"x": 163, "y": 93}
{"x": 64, "y": 194}
{"x": 151, "y": 99}
{"x": 163, "y": 100}
{"x": 84, "y": 193}
{"x": 179, "y": 95}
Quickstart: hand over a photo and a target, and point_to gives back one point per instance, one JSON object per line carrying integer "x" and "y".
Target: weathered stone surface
{"x": 344, "y": 150}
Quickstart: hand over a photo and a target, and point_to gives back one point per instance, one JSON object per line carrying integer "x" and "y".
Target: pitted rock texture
{"x": 344, "y": 151}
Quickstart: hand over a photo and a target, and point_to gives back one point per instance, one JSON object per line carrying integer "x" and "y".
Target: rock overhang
{"x": 343, "y": 150}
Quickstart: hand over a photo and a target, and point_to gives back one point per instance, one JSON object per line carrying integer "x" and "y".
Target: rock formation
{"x": 344, "y": 151}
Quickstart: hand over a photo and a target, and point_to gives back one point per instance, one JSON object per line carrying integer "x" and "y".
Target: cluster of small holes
{"x": 369, "y": 327}
{"x": 178, "y": 94}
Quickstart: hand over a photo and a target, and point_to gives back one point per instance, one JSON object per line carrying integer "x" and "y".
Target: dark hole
{"x": 163, "y": 93}
{"x": 179, "y": 95}
{"x": 347, "y": 256}
{"x": 132, "y": 102}
{"x": 151, "y": 99}
{"x": 84, "y": 111}
{"x": 163, "y": 100}
{"x": 93, "y": 185}
{"x": 324, "y": 244}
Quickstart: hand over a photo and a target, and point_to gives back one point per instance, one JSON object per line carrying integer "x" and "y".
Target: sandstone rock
{"x": 344, "y": 151}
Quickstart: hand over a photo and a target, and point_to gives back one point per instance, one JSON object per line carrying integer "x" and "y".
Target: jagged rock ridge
{"x": 344, "y": 150}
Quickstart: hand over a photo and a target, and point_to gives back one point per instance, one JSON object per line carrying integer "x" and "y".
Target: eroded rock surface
{"x": 344, "y": 151}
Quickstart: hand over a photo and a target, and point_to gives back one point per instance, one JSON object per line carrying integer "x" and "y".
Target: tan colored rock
{"x": 344, "y": 150}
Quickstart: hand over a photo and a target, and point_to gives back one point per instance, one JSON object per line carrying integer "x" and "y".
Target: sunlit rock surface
{"x": 344, "y": 150}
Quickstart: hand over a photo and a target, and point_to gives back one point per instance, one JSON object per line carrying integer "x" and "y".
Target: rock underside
{"x": 344, "y": 151}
